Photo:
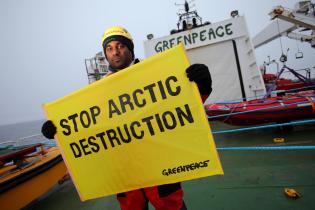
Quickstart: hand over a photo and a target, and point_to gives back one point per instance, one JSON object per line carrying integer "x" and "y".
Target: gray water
{"x": 22, "y": 133}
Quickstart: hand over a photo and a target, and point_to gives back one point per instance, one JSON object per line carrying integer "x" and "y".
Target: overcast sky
{"x": 43, "y": 43}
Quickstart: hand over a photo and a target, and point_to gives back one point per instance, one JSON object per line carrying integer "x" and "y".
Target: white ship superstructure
{"x": 225, "y": 47}
{"x": 96, "y": 67}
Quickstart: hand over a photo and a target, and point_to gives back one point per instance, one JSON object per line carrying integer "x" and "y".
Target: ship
{"x": 265, "y": 167}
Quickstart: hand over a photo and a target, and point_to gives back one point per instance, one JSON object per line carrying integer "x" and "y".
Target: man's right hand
{"x": 49, "y": 129}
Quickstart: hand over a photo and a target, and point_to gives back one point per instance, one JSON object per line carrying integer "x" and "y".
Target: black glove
{"x": 200, "y": 74}
{"x": 49, "y": 129}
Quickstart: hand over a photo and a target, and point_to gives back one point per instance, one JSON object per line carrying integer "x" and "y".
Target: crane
{"x": 290, "y": 23}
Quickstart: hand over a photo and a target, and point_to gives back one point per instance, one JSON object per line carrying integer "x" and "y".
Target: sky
{"x": 44, "y": 43}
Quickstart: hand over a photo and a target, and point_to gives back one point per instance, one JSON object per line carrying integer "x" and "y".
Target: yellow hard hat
{"x": 116, "y": 31}
{"x": 120, "y": 34}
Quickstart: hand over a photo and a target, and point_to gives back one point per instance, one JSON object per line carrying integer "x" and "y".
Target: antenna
{"x": 187, "y": 6}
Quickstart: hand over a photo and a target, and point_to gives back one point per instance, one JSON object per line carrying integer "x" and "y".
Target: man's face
{"x": 118, "y": 55}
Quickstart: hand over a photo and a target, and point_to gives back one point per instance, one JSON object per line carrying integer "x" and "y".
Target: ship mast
{"x": 189, "y": 19}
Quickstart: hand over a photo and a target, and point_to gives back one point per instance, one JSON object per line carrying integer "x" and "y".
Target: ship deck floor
{"x": 251, "y": 180}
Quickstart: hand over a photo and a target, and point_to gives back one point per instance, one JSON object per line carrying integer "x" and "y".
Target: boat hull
{"x": 26, "y": 185}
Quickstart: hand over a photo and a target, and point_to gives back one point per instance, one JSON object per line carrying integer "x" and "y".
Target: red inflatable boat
{"x": 273, "y": 109}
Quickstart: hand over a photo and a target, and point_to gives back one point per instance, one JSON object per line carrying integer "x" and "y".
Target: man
{"x": 119, "y": 51}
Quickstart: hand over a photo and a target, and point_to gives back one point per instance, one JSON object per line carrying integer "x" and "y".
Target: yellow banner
{"x": 140, "y": 127}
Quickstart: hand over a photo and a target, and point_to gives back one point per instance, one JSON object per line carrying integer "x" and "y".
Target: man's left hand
{"x": 200, "y": 74}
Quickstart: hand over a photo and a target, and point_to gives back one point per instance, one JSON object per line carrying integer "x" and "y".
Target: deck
{"x": 252, "y": 180}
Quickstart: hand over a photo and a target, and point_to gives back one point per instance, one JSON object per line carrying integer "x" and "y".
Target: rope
{"x": 272, "y": 148}
{"x": 263, "y": 126}
{"x": 260, "y": 96}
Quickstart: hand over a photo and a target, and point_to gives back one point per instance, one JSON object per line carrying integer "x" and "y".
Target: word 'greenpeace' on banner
{"x": 130, "y": 131}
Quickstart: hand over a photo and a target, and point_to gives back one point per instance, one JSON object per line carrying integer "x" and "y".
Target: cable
{"x": 280, "y": 36}
{"x": 264, "y": 126}
{"x": 266, "y": 148}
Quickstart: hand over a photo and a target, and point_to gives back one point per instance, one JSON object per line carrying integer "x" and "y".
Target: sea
{"x": 21, "y": 134}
